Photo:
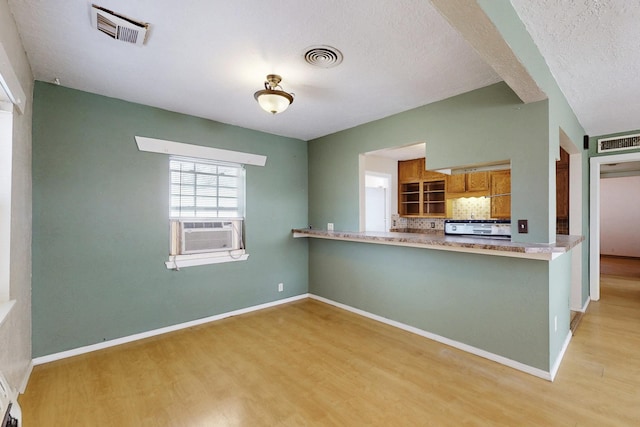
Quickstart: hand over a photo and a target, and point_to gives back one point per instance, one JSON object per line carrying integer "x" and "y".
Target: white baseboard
{"x": 25, "y": 378}
{"x": 456, "y": 344}
{"x": 586, "y": 304}
{"x": 556, "y": 365}
{"x": 549, "y": 376}
{"x": 112, "y": 343}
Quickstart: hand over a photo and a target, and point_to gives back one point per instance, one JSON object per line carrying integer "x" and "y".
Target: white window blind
{"x": 206, "y": 189}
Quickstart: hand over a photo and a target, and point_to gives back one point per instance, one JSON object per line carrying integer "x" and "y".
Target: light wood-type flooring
{"x": 310, "y": 364}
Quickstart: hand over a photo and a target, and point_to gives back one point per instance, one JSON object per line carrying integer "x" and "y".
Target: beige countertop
{"x": 439, "y": 241}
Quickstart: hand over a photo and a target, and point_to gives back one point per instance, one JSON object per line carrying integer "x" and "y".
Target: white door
{"x": 376, "y": 209}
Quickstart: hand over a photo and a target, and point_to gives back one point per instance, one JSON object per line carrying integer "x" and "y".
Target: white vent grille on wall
{"x": 619, "y": 143}
{"x": 118, "y": 26}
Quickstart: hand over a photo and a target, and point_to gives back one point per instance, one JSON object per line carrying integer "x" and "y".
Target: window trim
{"x": 6, "y": 179}
{"x": 176, "y": 262}
{"x": 10, "y": 83}
{"x": 5, "y": 309}
{"x": 160, "y": 146}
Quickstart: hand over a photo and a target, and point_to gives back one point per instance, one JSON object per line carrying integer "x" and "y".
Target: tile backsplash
{"x": 434, "y": 224}
{"x": 471, "y": 208}
{"x": 463, "y": 208}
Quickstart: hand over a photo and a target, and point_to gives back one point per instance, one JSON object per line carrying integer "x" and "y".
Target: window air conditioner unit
{"x": 209, "y": 236}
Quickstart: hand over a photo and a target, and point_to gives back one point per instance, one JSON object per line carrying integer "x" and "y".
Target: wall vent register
{"x": 619, "y": 143}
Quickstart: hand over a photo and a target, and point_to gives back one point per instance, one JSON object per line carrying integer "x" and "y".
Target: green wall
{"x": 593, "y": 144}
{"x": 497, "y": 304}
{"x": 486, "y": 125}
{"x": 100, "y": 222}
{"x": 561, "y": 116}
{"x": 559, "y": 295}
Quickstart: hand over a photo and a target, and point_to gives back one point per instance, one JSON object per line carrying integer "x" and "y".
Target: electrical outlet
{"x": 280, "y": 287}
{"x": 555, "y": 323}
{"x": 433, "y": 225}
{"x": 329, "y": 226}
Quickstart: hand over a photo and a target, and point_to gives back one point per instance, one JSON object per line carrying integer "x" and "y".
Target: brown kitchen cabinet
{"x": 475, "y": 184}
{"x": 414, "y": 171}
{"x": 456, "y": 184}
{"x": 477, "y": 181}
{"x": 433, "y": 198}
{"x": 421, "y": 193}
{"x": 410, "y": 170}
{"x": 409, "y": 199}
{"x": 425, "y": 199}
{"x": 500, "y": 188}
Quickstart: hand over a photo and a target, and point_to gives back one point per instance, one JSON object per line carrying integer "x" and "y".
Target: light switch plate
{"x": 523, "y": 226}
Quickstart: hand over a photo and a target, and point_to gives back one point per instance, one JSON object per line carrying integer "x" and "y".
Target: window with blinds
{"x": 206, "y": 189}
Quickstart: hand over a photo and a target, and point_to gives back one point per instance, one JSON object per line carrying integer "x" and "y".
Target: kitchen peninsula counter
{"x": 439, "y": 241}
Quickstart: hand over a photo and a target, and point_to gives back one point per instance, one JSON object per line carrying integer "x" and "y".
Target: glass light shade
{"x": 273, "y": 101}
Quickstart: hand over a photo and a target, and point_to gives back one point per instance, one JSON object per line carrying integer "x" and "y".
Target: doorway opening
{"x": 377, "y": 201}
{"x": 573, "y": 218}
{"x": 597, "y": 165}
{"x": 382, "y": 164}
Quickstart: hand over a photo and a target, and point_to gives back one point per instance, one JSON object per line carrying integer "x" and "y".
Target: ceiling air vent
{"x": 118, "y": 26}
{"x": 619, "y": 143}
{"x": 323, "y": 56}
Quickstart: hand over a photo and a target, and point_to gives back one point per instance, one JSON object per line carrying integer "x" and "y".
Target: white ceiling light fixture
{"x": 273, "y": 99}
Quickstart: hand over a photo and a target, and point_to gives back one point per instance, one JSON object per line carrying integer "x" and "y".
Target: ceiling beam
{"x": 468, "y": 18}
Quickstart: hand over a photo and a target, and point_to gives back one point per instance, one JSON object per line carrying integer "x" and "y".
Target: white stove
{"x": 493, "y": 228}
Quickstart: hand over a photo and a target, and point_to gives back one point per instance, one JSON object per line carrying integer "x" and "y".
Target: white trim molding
{"x": 443, "y": 340}
{"x": 586, "y": 305}
{"x": 176, "y": 262}
{"x": 594, "y": 216}
{"x": 112, "y": 343}
{"x": 25, "y": 378}
{"x": 556, "y": 364}
{"x": 10, "y": 83}
{"x": 549, "y": 376}
{"x": 162, "y": 146}
{"x": 5, "y": 309}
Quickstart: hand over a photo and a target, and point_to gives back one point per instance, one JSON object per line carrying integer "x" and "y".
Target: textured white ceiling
{"x": 207, "y": 58}
{"x": 592, "y": 48}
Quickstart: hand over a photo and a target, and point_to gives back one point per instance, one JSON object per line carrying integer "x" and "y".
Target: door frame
{"x": 594, "y": 215}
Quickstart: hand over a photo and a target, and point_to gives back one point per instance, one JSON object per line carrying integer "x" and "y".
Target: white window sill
{"x": 5, "y": 309}
{"x": 179, "y": 261}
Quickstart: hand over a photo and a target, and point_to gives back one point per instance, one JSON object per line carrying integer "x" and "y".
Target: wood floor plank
{"x": 310, "y": 364}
